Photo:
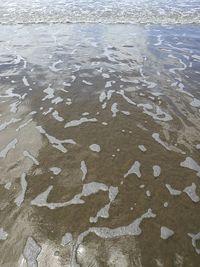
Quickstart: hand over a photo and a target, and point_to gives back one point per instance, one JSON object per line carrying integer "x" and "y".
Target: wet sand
{"x": 99, "y": 145}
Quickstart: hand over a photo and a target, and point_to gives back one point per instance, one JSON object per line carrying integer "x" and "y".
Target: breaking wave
{"x": 100, "y": 11}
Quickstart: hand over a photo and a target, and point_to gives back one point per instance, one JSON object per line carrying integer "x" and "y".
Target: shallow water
{"x": 99, "y": 145}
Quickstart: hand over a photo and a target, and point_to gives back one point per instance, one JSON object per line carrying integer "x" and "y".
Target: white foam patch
{"x": 181, "y": 90}
{"x": 158, "y": 115}
{"x": 23, "y": 125}
{"x": 84, "y": 170}
{"x": 86, "y": 82}
{"x": 166, "y": 204}
{"x": 132, "y": 229}
{"x": 8, "y": 147}
{"x": 102, "y": 96}
{"x": 73, "y": 78}
{"x": 95, "y": 148}
{"x": 109, "y": 94}
{"x": 63, "y": 90}
{"x": 53, "y": 67}
{"x": 75, "y": 123}
{"x": 66, "y": 84}
{"x": 105, "y": 96}
{"x": 114, "y": 109}
{"x": 3, "y": 234}
{"x": 13, "y": 106}
{"x": 159, "y": 40}
{"x": 104, "y": 212}
{"x": 105, "y": 75}
{"x": 197, "y": 57}
{"x": 195, "y": 239}
{"x": 191, "y": 164}
{"x": 85, "y": 114}
{"x": 150, "y": 85}
{"x": 146, "y": 106}
{"x": 33, "y": 112}
{"x": 142, "y": 148}
{"x": 173, "y": 70}
{"x": 156, "y": 137}
{"x": 31, "y": 252}
{"x": 18, "y": 59}
{"x": 135, "y": 168}
{"x": 108, "y": 84}
{"x": 165, "y": 232}
{"x": 25, "y": 81}
{"x": 58, "y": 144}
{"x": 107, "y": 53}
{"x": 57, "y": 100}
{"x": 20, "y": 199}
{"x": 159, "y": 263}
{"x": 128, "y": 100}
{"x": 127, "y": 113}
{"x": 191, "y": 192}
{"x": 148, "y": 193}
{"x": 156, "y": 171}
{"x": 56, "y": 116}
{"x": 66, "y": 239}
{"x": 172, "y": 191}
{"x": 104, "y": 105}
{"x": 9, "y": 93}
{"x": 195, "y": 103}
{"x": 41, "y": 199}
{"x": 7, "y": 123}
{"x": 157, "y": 93}
{"x": 68, "y": 102}
{"x": 48, "y": 111}
{"x": 31, "y": 157}
{"x": 88, "y": 189}
{"x": 198, "y": 146}
{"x": 49, "y": 93}
{"x": 8, "y": 185}
{"x": 55, "y": 170}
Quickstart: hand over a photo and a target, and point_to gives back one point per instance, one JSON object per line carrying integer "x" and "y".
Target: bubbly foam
{"x": 96, "y": 11}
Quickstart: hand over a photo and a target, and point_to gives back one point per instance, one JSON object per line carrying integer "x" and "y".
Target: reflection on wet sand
{"x": 99, "y": 146}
